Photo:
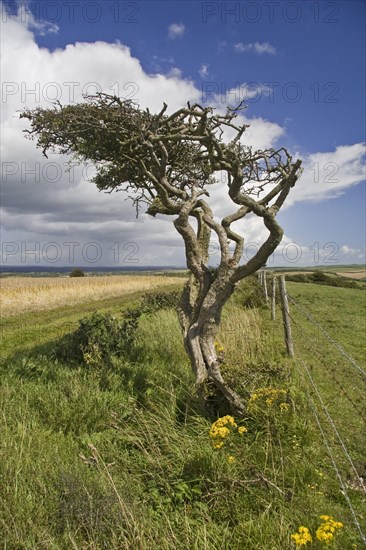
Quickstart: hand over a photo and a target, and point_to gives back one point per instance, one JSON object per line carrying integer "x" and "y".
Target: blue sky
{"x": 300, "y": 65}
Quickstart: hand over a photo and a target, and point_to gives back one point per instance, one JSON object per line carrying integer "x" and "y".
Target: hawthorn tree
{"x": 168, "y": 163}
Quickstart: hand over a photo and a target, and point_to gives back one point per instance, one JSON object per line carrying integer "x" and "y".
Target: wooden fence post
{"x": 265, "y": 286}
{"x": 286, "y": 317}
{"x": 273, "y": 303}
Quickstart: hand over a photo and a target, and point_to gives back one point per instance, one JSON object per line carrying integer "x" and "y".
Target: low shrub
{"x": 321, "y": 278}
{"x": 95, "y": 340}
{"x": 77, "y": 273}
{"x": 160, "y": 300}
{"x": 102, "y": 335}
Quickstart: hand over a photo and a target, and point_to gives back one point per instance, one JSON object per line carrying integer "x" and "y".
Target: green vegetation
{"x": 77, "y": 272}
{"x": 36, "y": 329}
{"x": 104, "y": 446}
{"x": 321, "y": 278}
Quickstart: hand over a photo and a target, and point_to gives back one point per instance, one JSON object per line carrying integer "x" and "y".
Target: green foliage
{"x": 112, "y": 133}
{"x": 94, "y": 341}
{"x": 160, "y": 300}
{"x": 249, "y": 293}
{"x": 85, "y": 506}
{"x": 321, "y": 278}
{"x": 101, "y": 336}
{"x": 77, "y": 273}
{"x": 119, "y": 457}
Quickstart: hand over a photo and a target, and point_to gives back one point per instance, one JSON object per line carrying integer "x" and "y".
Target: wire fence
{"x": 303, "y": 370}
{"x": 323, "y": 357}
{"x": 336, "y": 446}
{"x": 322, "y": 329}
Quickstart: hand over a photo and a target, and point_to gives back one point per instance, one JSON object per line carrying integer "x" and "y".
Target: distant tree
{"x": 168, "y": 163}
{"x": 77, "y": 273}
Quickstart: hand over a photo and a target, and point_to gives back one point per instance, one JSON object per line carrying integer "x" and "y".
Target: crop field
{"x": 24, "y": 294}
{"x": 103, "y": 445}
{"x": 361, "y": 274}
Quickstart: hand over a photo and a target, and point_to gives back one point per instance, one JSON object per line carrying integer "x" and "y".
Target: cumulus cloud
{"x": 255, "y": 47}
{"x": 176, "y": 30}
{"x": 42, "y": 202}
{"x": 327, "y": 175}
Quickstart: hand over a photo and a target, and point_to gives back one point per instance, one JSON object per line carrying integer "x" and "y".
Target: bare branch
{"x": 168, "y": 163}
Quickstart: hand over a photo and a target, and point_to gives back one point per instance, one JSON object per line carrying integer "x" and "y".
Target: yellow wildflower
{"x": 302, "y": 537}
{"x": 325, "y": 532}
{"x": 324, "y": 536}
{"x": 222, "y": 428}
{"x": 219, "y": 348}
{"x": 230, "y": 459}
{"x": 270, "y": 396}
{"x": 284, "y": 407}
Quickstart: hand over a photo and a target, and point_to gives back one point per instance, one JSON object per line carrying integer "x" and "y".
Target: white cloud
{"x": 203, "y": 70}
{"x": 328, "y": 174}
{"x": 42, "y": 207}
{"x": 256, "y": 47}
{"x": 349, "y": 251}
{"x": 176, "y": 30}
{"x": 291, "y": 253}
{"x": 174, "y": 72}
{"x": 25, "y": 16}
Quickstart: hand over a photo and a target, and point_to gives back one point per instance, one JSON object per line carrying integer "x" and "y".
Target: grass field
{"x": 114, "y": 455}
{"x": 22, "y": 295}
{"x": 356, "y": 272}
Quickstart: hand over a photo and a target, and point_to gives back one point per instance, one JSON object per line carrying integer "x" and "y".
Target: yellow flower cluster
{"x": 221, "y": 429}
{"x": 219, "y": 348}
{"x": 270, "y": 396}
{"x": 325, "y": 532}
{"x": 302, "y": 537}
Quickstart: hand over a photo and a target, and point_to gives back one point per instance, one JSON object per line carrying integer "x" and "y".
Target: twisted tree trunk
{"x": 199, "y": 313}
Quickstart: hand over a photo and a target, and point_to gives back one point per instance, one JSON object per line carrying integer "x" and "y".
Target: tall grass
{"x": 118, "y": 458}
{"x": 25, "y": 294}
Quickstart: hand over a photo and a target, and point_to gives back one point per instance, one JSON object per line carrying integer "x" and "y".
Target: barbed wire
{"x": 326, "y": 412}
{"x": 332, "y": 423}
{"x": 330, "y": 419}
{"x": 330, "y": 370}
{"x": 316, "y": 323}
{"x": 331, "y": 456}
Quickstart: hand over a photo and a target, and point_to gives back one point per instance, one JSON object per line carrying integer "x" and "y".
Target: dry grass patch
{"x": 240, "y": 334}
{"x": 26, "y": 294}
{"x": 353, "y": 274}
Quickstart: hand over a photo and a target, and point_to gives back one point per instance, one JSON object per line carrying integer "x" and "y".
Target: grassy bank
{"x": 115, "y": 455}
{"x": 56, "y": 307}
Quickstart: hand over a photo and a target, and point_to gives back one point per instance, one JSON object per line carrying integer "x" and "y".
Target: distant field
{"x": 335, "y": 268}
{"x": 353, "y": 274}
{"x": 24, "y": 295}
